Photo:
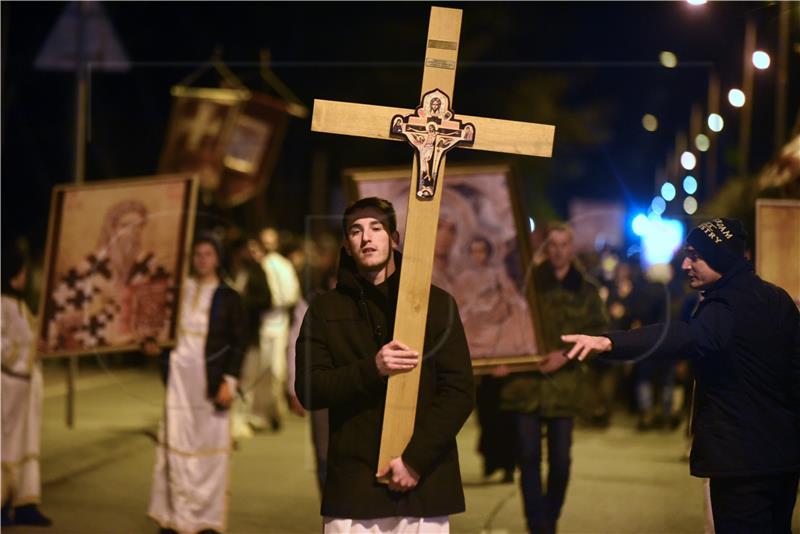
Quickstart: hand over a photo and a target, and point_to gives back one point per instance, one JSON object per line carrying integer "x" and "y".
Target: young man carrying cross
{"x": 744, "y": 343}
{"x": 346, "y": 352}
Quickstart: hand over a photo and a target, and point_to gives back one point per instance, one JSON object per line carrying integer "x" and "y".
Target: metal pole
{"x": 713, "y": 151}
{"x": 784, "y": 11}
{"x": 747, "y": 109}
{"x": 80, "y": 167}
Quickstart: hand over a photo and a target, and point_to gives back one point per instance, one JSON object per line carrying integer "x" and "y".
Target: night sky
{"x": 589, "y": 68}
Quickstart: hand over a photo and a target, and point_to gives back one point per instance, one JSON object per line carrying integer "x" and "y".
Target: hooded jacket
{"x": 342, "y": 331}
{"x": 744, "y": 343}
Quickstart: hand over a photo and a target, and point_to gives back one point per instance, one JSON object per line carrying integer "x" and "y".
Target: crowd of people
{"x": 272, "y": 323}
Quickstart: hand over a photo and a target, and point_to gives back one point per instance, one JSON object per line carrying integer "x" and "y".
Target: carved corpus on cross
{"x": 432, "y": 130}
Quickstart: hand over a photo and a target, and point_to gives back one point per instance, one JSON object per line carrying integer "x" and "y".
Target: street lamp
{"x": 668, "y": 59}
{"x": 736, "y": 98}
{"x": 715, "y": 123}
{"x": 650, "y": 122}
{"x": 690, "y": 205}
{"x": 690, "y": 184}
{"x": 760, "y": 59}
{"x": 668, "y": 191}
{"x": 688, "y": 161}
{"x": 702, "y": 142}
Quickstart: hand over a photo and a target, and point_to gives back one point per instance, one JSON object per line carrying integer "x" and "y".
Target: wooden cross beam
{"x": 432, "y": 129}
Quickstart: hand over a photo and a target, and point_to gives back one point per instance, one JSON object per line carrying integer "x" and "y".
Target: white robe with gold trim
{"x": 190, "y": 481}
{"x": 21, "y": 404}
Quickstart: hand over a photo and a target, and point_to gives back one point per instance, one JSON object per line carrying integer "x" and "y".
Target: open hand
{"x": 395, "y": 357}
{"x": 585, "y": 345}
{"x": 401, "y": 476}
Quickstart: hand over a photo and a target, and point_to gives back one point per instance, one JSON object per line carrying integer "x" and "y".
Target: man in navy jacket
{"x": 744, "y": 343}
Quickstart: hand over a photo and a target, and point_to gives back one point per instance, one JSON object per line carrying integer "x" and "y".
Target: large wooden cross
{"x": 433, "y": 130}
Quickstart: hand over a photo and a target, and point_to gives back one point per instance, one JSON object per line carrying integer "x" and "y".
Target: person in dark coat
{"x": 344, "y": 355}
{"x": 744, "y": 343}
{"x": 549, "y": 399}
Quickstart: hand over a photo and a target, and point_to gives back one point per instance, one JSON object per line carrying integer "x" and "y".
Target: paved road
{"x": 97, "y": 475}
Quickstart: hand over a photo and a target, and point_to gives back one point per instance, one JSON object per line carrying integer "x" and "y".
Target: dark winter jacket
{"x": 744, "y": 343}
{"x": 225, "y": 342}
{"x": 341, "y": 333}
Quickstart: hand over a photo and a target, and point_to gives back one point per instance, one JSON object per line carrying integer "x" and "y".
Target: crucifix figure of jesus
{"x": 432, "y": 130}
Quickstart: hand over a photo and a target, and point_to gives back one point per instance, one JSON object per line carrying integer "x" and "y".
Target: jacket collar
{"x": 349, "y": 281}
{"x": 571, "y": 282}
{"x": 739, "y": 269}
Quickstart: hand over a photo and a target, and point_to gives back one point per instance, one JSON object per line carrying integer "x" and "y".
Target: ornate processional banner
{"x": 116, "y": 255}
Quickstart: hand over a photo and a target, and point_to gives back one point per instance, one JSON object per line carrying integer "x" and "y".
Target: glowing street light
{"x": 760, "y": 59}
{"x": 696, "y": 2}
{"x": 715, "y": 123}
{"x": 640, "y": 224}
{"x": 702, "y": 142}
{"x": 690, "y": 184}
{"x": 649, "y": 122}
{"x": 658, "y": 205}
{"x": 668, "y": 59}
{"x": 668, "y": 191}
{"x": 736, "y": 97}
{"x": 690, "y": 205}
{"x": 688, "y": 161}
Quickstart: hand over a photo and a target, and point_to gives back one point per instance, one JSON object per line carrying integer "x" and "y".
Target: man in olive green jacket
{"x": 568, "y": 299}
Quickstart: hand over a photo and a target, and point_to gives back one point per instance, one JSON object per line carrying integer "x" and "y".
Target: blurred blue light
{"x": 690, "y": 184}
{"x": 668, "y": 191}
{"x": 639, "y": 224}
{"x": 658, "y": 205}
{"x": 532, "y": 223}
{"x": 662, "y": 238}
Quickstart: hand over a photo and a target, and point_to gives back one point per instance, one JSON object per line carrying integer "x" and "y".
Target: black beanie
{"x": 720, "y": 242}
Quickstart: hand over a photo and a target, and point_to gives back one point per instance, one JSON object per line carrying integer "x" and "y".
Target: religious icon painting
{"x": 481, "y": 256}
{"x": 778, "y": 244}
{"x": 252, "y": 149}
{"x": 116, "y": 255}
{"x": 199, "y": 131}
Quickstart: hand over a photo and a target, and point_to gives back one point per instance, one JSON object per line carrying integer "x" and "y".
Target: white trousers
{"x": 387, "y": 525}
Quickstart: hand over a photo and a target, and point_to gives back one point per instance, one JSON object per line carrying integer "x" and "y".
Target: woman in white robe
{"x": 190, "y": 481}
{"x": 22, "y": 401}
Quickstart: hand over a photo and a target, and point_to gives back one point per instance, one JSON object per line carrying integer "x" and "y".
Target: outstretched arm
{"x": 706, "y": 334}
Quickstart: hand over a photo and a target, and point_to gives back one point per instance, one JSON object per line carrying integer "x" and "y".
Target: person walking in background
{"x": 270, "y": 403}
{"x": 250, "y": 280}
{"x": 21, "y": 400}
{"x": 552, "y": 397}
